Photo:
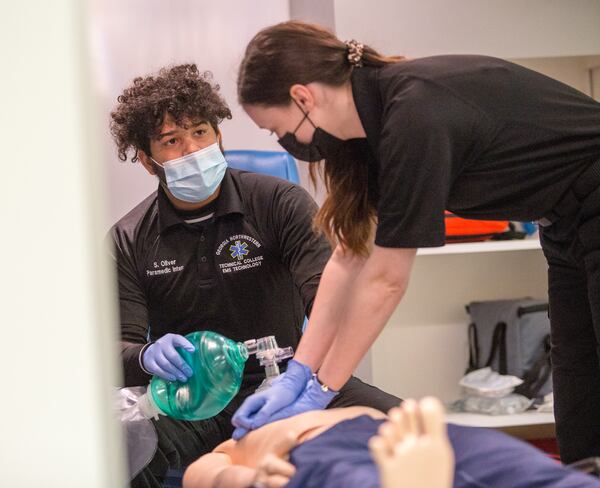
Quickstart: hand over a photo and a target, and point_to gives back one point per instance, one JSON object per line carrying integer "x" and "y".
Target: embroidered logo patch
{"x": 239, "y": 250}
{"x": 238, "y": 253}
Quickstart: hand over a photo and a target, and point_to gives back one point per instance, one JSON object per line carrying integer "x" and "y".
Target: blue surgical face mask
{"x": 195, "y": 176}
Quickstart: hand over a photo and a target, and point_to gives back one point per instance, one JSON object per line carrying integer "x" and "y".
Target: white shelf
{"x": 488, "y": 246}
{"x": 500, "y": 421}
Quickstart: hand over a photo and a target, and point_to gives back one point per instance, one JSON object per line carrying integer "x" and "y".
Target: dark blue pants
{"x": 484, "y": 458}
{"x": 571, "y": 245}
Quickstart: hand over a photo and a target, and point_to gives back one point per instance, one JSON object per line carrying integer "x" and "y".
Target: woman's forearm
{"x": 371, "y": 300}
{"x": 330, "y": 302}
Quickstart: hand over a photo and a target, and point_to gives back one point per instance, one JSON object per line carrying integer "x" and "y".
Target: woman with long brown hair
{"x": 403, "y": 140}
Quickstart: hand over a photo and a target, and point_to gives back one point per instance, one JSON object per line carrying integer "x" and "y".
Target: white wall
{"x": 58, "y": 361}
{"x": 138, "y": 37}
{"x": 572, "y": 70}
{"x": 315, "y": 11}
{"x": 503, "y": 28}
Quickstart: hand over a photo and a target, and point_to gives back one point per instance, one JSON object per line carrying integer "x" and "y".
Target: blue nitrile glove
{"x": 257, "y": 408}
{"x": 162, "y": 359}
{"x": 314, "y": 397}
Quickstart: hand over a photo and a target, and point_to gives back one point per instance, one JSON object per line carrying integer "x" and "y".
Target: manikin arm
{"x": 352, "y": 306}
{"x": 216, "y": 470}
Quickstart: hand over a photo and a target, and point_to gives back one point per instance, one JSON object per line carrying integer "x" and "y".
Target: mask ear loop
{"x": 306, "y": 117}
{"x": 159, "y": 169}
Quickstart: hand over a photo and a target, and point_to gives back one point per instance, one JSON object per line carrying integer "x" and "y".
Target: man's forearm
{"x": 134, "y": 375}
{"x": 330, "y": 302}
{"x": 133, "y": 340}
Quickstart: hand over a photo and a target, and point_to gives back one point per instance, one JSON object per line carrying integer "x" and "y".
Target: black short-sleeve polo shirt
{"x": 249, "y": 271}
{"x": 482, "y": 137}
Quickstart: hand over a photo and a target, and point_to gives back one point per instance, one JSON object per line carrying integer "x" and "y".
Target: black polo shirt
{"x": 482, "y": 137}
{"x": 249, "y": 271}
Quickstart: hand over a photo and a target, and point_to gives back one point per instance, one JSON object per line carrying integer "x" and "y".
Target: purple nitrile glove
{"x": 257, "y": 408}
{"x": 162, "y": 359}
{"x": 314, "y": 397}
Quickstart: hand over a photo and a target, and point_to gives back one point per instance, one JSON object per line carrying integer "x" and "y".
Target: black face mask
{"x": 322, "y": 146}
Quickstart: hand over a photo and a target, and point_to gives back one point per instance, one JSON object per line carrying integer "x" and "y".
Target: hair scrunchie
{"x": 355, "y": 52}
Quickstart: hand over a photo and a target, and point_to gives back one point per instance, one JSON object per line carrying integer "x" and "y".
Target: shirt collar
{"x": 228, "y": 202}
{"x": 230, "y": 199}
{"x": 367, "y": 98}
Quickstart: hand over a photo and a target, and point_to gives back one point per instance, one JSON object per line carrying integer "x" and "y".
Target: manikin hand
{"x": 274, "y": 471}
{"x": 412, "y": 448}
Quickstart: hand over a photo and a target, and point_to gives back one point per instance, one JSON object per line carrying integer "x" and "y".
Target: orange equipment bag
{"x": 467, "y": 230}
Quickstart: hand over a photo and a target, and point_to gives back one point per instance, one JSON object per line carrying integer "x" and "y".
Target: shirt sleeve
{"x": 133, "y": 310}
{"x": 304, "y": 251}
{"x": 426, "y": 134}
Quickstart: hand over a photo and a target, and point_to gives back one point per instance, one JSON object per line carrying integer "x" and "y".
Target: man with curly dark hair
{"x": 212, "y": 249}
{"x": 181, "y": 92}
